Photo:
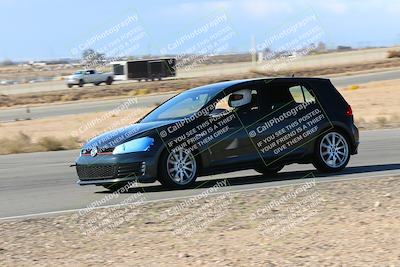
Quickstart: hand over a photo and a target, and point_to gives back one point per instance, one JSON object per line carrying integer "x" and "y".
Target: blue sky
{"x": 45, "y": 29}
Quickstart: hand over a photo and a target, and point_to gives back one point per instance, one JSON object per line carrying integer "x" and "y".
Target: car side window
{"x": 301, "y": 94}
{"x": 274, "y": 95}
{"x": 222, "y": 104}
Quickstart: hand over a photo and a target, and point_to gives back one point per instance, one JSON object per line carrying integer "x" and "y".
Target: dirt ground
{"x": 26, "y": 73}
{"x": 346, "y": 223}
{"x": 135, "y": 88}
{"x": 374, "y": 104}
{"x": 84, "y": 126}
{"x": 62, "y": 132}
{"x": 220, "y": 64}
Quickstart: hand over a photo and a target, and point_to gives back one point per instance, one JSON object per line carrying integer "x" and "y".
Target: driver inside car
{"x": 240, "y": 98}
{"x": 244, "y": 102}
{"x": 241, "y": 102}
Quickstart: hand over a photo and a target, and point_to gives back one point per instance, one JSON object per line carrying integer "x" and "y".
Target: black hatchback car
{"x": 260, "y": 124}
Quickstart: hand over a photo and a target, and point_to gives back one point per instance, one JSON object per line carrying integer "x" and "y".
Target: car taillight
{"x": 349, "y": 111}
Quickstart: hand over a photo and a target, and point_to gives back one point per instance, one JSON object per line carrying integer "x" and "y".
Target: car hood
{"x": 75, "y": 76}
{"x": 118, "y": 136}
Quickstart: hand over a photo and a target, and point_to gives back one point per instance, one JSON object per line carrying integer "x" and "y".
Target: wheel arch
{"x": 342, "y": 129}
{"x": 164, "y": 150}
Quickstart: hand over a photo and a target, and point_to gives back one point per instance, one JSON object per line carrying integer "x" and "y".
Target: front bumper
{"x": 73, "y": 82}
{"x": 356, "y": 139}
{"x": 109, "y": 169}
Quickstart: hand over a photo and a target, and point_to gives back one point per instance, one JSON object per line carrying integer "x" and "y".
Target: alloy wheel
{"x": 334, "y": 150}
{"x": 181, "y": 166}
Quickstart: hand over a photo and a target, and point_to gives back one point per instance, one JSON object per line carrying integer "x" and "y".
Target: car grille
{"x": 95, "y": 171}
{"x": 89, "y": 172}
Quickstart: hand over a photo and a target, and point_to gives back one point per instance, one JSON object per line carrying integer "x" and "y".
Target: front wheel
{"x": 331, "y": 152}
{"x": 109, "y": 81}
{"x": 178, "y": 169}
{"x": 69, "y": 85}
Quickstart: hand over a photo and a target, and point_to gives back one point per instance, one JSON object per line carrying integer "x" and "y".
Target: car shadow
{"x": 260, "y": 178}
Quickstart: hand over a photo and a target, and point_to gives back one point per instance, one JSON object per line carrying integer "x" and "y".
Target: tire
{"x": 269, "y": 170}
{"x": 331, "y": 152}
{"x": 114, "y": 187}
{"x": 109, "y": 81}
{"x": 97, "y": 84}
{"x": 81, "y": 83}
{"x": 178, "y": 169}
{"x": 69, "y": 85}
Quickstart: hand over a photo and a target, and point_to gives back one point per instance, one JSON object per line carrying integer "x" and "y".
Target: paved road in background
{"x": 80, "y": 107}
{"x": 149, "y": 101}
{"x": 43, "y": 182}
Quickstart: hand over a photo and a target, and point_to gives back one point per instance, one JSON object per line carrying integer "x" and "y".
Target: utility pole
{"x": 254, "y": 50}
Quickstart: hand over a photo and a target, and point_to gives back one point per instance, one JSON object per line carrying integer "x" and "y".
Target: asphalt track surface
{"x": 81, "y": 107}
{"x": 43, "y": 184}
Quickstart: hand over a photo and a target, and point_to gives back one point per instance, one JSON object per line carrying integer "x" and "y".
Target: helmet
{"x": 239, "y": 98}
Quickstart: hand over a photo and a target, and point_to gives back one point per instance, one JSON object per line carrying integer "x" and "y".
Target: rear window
{"x": 301, "y": 94}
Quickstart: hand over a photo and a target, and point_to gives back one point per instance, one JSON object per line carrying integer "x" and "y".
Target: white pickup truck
{"x": 82, "y": 77}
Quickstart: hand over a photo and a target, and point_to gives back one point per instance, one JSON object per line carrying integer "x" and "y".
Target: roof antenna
{"x": 293, "y": 75}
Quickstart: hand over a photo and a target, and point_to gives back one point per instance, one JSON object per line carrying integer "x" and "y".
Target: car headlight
{"x": 137, "y": 145}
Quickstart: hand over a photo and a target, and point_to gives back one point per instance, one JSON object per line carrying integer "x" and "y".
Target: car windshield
{"x": 78, "y": 72}
{"x": 180, "y": 106}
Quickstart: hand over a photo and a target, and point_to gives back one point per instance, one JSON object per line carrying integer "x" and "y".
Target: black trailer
{"x": 145, "y": 69}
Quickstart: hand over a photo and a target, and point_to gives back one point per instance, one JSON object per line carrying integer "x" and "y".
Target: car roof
{"x": 219, "y": 86}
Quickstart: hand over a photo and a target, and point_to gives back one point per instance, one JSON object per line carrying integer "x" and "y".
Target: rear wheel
{"x": 69, "y": 85}
{"x": 178, "y": 169}
{"x": 332, "y": 152}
